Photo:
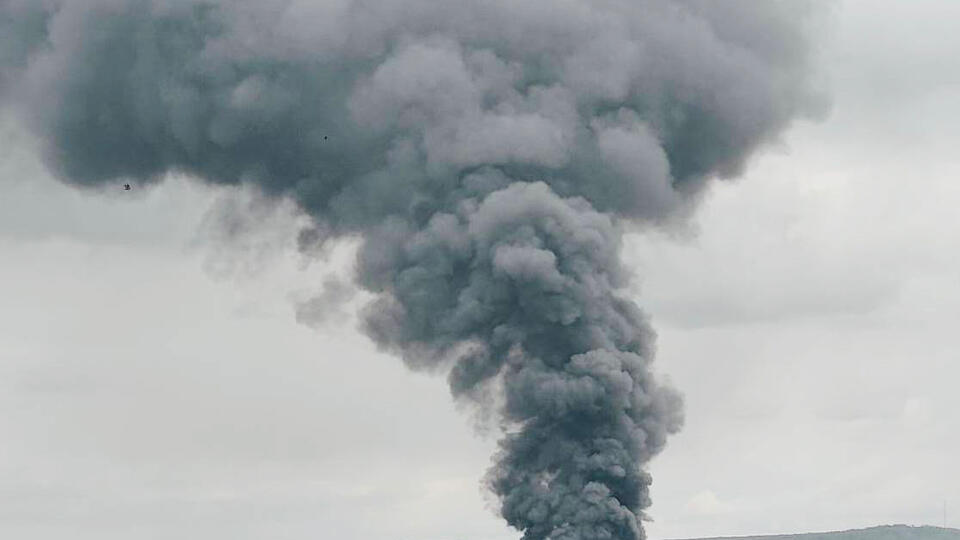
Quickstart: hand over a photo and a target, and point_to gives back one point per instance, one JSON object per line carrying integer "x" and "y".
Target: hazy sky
{"x": 809, "y": 316}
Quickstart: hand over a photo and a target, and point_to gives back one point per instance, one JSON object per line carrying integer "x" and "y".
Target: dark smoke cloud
{"x": 327, "y": 305}
{"x": 487, "y": 152}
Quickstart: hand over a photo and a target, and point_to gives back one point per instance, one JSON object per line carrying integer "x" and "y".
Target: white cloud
{"x": 706, "y": 502}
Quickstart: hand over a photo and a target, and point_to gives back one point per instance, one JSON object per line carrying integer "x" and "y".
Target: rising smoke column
{"x": 489, "y": 153}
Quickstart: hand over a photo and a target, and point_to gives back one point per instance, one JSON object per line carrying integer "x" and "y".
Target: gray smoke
{"x": 489, "y": 153}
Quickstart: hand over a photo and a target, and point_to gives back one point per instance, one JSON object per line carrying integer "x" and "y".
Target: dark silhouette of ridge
{"x": 882, "y": 532}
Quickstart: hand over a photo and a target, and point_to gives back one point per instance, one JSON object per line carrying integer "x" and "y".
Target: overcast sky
{"x": 808, "y": 314}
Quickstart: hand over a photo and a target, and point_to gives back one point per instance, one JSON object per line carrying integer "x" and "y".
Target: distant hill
{"x": 886, "y": 532}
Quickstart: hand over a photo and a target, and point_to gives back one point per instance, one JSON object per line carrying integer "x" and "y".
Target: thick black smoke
{"x": 489, "y": 154}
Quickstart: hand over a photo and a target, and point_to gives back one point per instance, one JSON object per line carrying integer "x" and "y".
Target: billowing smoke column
{"x": 489, "y": 154}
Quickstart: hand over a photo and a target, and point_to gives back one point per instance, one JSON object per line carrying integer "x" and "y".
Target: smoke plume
{"x": 489, "y": 154}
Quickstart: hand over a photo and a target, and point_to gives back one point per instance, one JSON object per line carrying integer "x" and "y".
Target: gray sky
{"x": 807, "y": 315}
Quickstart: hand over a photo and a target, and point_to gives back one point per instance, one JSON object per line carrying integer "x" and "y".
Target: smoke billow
{"x": 489, "y": 154}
